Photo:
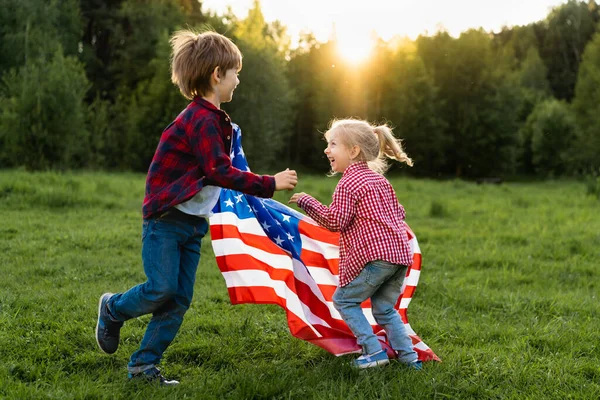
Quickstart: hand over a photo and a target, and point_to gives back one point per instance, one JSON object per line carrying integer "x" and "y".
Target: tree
{"x": 568, "y": 28}
{"x": 552, "y": 130}
{"x": 42, "y": 124}
{"x": 262, "y": 102}
{"x": 586, "y": 105}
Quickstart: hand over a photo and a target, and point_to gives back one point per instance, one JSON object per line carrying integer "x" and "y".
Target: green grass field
{"x": 508, "y": 298}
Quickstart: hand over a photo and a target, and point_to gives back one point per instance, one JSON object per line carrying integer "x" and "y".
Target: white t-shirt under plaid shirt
{"x": 370, "y": 220}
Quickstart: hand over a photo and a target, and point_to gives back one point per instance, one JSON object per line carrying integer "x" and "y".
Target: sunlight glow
{"x": 354, "y": 47}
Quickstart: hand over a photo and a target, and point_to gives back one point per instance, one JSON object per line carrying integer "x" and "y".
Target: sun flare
{"x": 354, "y": 47}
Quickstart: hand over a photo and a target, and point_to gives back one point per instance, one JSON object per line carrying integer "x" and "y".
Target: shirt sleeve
{"x": 338, "y": 216}
{"x": 401, "y": 212}
{"x": 208, "y": 147}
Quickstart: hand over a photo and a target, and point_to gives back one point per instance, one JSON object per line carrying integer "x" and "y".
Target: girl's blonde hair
{"x": 376, "y": 143}
{"x": 195, "y": 57}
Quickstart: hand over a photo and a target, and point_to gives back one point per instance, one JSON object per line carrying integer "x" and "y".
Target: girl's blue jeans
{"x": 380, "y": 281}
{"x": 170, "y": 254}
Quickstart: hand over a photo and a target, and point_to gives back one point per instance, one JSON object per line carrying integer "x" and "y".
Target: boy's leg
{"x": 167, "y": 319}
{"x": 160, "y": 256}
{"x": 383, "y": 302}
{"x": 347, "y": 301}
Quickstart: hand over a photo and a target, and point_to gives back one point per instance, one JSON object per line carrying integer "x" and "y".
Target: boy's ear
{"x": 216, "y": 74}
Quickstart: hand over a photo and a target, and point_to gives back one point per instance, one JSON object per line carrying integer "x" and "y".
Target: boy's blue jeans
{"x": 380, "y": 281}
{"x": 170, "y": 254}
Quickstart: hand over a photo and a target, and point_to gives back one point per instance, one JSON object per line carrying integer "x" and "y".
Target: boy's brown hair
{"x": 195, "y": 57}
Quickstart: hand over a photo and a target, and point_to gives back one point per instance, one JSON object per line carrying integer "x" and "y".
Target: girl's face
{"x": 339, "y": 155}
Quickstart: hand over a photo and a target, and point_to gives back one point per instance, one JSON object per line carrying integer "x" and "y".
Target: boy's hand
{"x": 296, "y": 197}
{"x": 286, "y": 180}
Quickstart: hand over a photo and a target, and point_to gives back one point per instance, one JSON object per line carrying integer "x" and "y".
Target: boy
{"x": 189, "y": 167}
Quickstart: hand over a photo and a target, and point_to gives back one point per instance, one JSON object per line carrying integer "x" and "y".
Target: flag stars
{"x": 238, "y": 198}
{"x": 278, "y": 240}
{"x": 266, "y": 227}
{"x": 286, "y": 218}
{"x": 229, "y": 203}
{"x": 290, "y": 237}
{"x": 241, "y": 152}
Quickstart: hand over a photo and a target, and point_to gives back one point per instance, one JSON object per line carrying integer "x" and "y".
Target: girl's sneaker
{"x": 372, "y": 360}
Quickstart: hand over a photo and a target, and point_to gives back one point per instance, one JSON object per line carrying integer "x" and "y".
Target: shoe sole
{"x": 378, "y": 363}
{"x": 98, "y": 321}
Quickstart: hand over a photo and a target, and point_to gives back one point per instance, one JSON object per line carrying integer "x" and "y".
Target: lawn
{"x": 508, "y": 298}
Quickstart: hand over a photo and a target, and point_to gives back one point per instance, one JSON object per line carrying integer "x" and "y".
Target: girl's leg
{"x": 347, "y": 301}
{"x": 383, "y": 302}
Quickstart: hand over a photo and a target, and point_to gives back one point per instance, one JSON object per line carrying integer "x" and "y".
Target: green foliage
{"x": 42, "y": 124}
{"x": 32, "y": 29}
{"x": 587, "y": 107}
{"x": 552, "y": 130}
{"x": 261, "y": 104}
{"x": 568, "y": 29}
{"x": 460, "y": 104}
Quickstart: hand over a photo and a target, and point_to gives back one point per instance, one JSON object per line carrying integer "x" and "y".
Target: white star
{"x": 229, "y": 203}
{"x": 266, "y": 226}
{"x": 238, "y": 198}
{"x": 286, "y": 218}
{"x": 277, "y": 222}
{"x": 241, "y": 152}
{"x": 278, "y": 240}
{"x": 232, "y": 155}
{"x": 290, "y": 237}
{"x": 249, "y": 208}
{"x": 254, "y": 209}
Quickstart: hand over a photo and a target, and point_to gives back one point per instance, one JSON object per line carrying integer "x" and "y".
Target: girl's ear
{"x": 354, "y": 152}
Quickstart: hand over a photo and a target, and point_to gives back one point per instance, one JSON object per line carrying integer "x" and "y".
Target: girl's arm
{"x": 337, "y": 216}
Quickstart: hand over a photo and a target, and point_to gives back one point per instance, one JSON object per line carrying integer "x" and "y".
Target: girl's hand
{"x": 295, "y": 197}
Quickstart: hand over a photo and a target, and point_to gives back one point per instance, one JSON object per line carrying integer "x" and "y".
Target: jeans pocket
{"x": 145, "y": 229}
{"x": 378, "y": 273}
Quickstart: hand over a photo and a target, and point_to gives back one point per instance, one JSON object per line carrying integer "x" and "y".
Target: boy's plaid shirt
{"x": 370, "y": 220}
{"x": 193, "y": 152}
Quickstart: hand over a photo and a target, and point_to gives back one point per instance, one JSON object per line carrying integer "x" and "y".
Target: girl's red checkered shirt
{"x": 368, "y": 216}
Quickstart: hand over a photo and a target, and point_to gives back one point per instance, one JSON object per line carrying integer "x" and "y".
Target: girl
{"x": 374, "y": 248}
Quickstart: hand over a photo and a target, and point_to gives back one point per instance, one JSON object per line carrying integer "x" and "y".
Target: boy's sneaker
{"x": 372, "y": 360}
{"x": 107, "y": 330}
{"x": 152, "y": 375}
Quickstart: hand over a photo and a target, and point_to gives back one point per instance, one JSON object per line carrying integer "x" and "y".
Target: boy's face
{"x": 227, "y": 85}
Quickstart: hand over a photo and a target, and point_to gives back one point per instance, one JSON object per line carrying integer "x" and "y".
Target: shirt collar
{"x": 355, "y": 167}
{"x": 210, "y": 106}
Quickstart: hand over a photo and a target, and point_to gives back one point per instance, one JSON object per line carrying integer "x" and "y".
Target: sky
{"x": 356, "y": 21}
{"x": 391, "y": 17}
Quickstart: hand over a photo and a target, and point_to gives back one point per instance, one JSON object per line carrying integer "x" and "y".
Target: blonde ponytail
{"x": 389, "y": 146}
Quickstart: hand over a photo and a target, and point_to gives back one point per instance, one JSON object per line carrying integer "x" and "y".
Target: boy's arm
{"x": 214, "y": 160}
{"x": 337, "y": 216}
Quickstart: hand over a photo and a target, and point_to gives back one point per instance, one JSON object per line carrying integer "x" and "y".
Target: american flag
{"x": 269, "y": 253}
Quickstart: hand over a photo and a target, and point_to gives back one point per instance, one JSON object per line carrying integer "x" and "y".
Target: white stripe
{"x": 329, "y": 251}
{"x": 224, "y": 247}
{"x": 318, "y": 276}
{"x": 413, "y": 277}
{"x": 414, "y": 245}
{"x": 421, "y": 346}
{"x": 405, "y": 302}
{"x": 252, "y": 278}
{"x": 244, "y": 225}
{"x": 323, "y": 276}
